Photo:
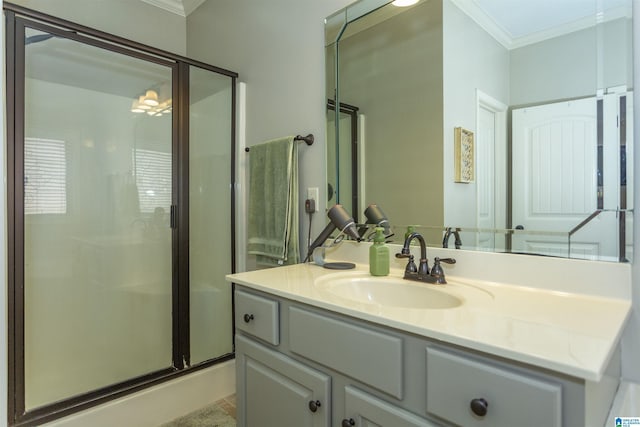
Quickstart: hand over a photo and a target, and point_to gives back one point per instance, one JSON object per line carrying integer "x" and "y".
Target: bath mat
{"x": 209, "y": 416}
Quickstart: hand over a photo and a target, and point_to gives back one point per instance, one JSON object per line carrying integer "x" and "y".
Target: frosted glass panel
{"x": 209, "y": 214}
{"x": 97, "y": 201}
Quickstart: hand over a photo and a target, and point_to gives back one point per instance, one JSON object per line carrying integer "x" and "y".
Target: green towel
{"x": 273, "y": 202}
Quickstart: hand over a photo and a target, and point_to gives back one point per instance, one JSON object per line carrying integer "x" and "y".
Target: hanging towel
{"x": 273, "y": 202}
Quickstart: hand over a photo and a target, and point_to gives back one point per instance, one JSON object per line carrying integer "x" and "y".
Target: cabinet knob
{"x": 248, "y": 318}
{"x": 314, "y": 405}
{"x": 348, "y": 422}
{"x": 479, "y": 407}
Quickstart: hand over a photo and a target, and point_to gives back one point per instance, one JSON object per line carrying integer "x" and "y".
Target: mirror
{"x": 512, "y": 125}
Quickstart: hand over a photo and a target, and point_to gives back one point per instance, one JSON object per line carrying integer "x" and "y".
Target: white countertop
{"x": 569, "y": 333}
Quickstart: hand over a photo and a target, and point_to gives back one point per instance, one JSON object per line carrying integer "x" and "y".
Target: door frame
{"x": 501, "y": 161}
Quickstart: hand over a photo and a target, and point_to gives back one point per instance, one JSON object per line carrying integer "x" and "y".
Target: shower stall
{"x": 121, "y": 230}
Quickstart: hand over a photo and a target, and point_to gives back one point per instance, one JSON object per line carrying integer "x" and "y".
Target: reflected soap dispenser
{"x": 410, "y": 230}
{"x": 379, "y": 255}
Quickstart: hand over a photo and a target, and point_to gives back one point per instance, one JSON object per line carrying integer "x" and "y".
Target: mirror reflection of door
{"x": 556, "y": 148}
{"x": 343, "y": 169}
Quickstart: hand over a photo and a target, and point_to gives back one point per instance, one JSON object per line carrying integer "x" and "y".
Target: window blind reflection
{"x": 153, "y": 178}
{"x": 45, "y": 176}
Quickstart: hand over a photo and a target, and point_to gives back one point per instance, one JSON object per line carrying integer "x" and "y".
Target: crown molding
{"x": 485, "y": 21}
{"x": 191, "y": 5}
{"x": 504, "y": 37}
{"x": 179, "y": 7}
{"x": 570, "y": 27}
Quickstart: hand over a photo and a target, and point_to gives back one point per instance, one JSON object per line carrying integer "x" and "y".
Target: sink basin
{"x": 388, "y": 291}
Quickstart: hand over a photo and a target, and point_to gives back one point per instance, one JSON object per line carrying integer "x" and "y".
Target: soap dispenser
{"x": 410, "y": 230}
{"x": 379, "y": 255}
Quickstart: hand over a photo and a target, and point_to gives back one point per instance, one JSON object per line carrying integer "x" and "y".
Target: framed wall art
{"x": 463, "y": 155}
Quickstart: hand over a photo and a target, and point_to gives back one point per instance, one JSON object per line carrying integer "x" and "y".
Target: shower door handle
{"x": 173, "y": 214}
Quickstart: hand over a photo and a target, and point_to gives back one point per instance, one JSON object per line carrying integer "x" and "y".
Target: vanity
{"x": 318, "y": 347}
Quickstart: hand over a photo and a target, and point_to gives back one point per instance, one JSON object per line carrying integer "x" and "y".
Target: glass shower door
{"x": 210, "y": 160}
{"x": 97, "y": 167}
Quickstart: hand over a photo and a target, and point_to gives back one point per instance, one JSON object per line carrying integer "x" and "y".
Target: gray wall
{"x": 401, "y": 97}
{"x": 567, "y": 66}
{"x": 472, "y": 60}
{"x": 131, "y": 19}
{"x": 278, "y": 49}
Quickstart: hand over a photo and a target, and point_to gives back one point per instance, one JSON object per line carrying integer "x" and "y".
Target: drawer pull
{"x": 348, "y": 422}
{"x": 479, "y": 407}
{"x": 314, "y": 405}
{"x": 248, "y": 318}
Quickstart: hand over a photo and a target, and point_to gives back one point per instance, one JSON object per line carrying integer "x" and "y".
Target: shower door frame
{"x": 18, "y": 18}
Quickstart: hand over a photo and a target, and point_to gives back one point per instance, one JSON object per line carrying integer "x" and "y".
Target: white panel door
{"x": 554, "y": 184}
{"x": 491, "y": 172}
{"x": 485, "y": 179}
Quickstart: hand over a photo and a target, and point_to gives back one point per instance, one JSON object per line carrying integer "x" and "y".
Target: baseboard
{"x": 161, "y": 403}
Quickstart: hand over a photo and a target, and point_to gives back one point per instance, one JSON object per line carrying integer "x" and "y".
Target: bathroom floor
{"x": 220, "y": 414}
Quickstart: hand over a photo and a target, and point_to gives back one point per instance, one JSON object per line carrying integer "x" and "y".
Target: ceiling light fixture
{"x": 154, "y": 102}
{"x": 404, "y": 3}
{"x": 135, "y": 107}
{"x": 151, "y": 98}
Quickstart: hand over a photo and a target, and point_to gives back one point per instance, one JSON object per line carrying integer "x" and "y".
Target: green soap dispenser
{"x": 410, "y": 230}
{"x": 379, "y": 255}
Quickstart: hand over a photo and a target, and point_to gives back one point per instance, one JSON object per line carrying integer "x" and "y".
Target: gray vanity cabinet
{"x": 279, "y": 391}
{"x": 300, "y": 365}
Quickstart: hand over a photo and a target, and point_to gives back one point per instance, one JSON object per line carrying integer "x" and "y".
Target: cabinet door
{"x": 274, "y": 390}
{"x": 364, "y": 410}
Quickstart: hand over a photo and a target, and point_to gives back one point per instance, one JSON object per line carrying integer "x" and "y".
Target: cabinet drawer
{"x": 365, "y": 355}
{"x": 513, "y": 399}
{"x": 257, "y": 316}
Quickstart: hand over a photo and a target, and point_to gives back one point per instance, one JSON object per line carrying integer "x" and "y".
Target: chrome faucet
{"x": 447, "y": 235}
{"x": 422, "y": 272}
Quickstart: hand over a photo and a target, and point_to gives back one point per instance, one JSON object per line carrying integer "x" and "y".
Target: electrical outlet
{"x": 313, "y": 193}
{"x": 309, "y": 206}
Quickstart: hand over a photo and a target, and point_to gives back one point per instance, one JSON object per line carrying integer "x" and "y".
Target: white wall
{"x": 131, "y": 19}
{"x": 277, "y": 47}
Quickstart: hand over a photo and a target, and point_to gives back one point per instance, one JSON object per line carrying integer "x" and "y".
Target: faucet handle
{"x": 437, "y": 271}
{"x": 404, "y": 253}
{"x": 411, "y": 265}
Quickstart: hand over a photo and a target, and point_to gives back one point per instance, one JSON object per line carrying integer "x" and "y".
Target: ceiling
{"x": 516, "y": 23}
{"x": 179, "y": 7}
